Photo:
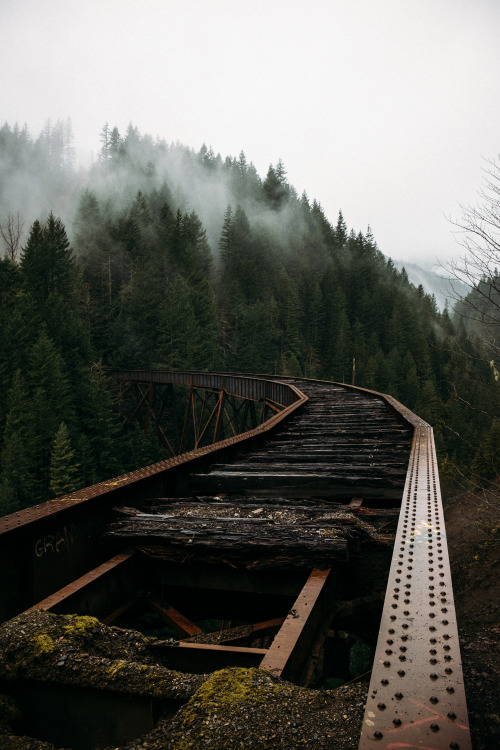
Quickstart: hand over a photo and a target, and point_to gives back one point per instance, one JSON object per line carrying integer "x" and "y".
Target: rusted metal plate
{"x": 181, "y": 624}
{"x": 250, "y": 387}
{"x": 96, "y": 592}
{"x": 416, "y": 697}
{"x": 304, "y": 626}
{"x": 245, "y": 387}
{"x": 199, "y": 658}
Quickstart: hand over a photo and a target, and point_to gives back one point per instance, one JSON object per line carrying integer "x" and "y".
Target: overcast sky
{"x": 385, "y": 109}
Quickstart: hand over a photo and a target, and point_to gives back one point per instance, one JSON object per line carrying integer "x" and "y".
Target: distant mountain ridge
{"x": 445, "y": 290}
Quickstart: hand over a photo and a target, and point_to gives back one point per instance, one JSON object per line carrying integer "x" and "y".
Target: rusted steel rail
{"x": 417, "y": 697}
{"x": 362, "y": 451}
{"x": 46, "y": 546}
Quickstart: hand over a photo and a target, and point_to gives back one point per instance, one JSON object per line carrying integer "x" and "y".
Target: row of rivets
{"x": 426, "y": 537}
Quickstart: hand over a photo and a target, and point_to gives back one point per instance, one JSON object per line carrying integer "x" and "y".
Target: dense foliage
{"x": 184, "y": 260}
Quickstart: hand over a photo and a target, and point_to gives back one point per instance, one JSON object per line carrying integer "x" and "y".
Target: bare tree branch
{"x": 11, "y": 230}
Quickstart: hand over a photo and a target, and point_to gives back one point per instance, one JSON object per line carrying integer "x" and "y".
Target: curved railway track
{"x": 319, "y": 514}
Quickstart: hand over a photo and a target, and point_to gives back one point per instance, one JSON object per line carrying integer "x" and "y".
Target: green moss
{"x": 155, "y": 684}
{"x": 228, "y": 687}
{"x": 330, "y": 533}
{"x": 40, "y": 645}
{"x": 226, "y": 693}
{"x": 80, "y": 625}
{"x": 116, "y": 666}
{"x": 34, "y": 649}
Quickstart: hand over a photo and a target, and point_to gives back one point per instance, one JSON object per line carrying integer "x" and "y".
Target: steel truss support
{"x": 296, "y": 647}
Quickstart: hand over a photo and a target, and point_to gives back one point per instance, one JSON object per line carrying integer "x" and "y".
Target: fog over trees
{"x": 159, "y": 256}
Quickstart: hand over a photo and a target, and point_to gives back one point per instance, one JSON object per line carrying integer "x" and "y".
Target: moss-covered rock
{"x": 80, "y": 650}
{"x": 250, "y": 708}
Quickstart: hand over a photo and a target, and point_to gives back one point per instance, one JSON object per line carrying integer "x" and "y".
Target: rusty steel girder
{"x": 416, "y": 697}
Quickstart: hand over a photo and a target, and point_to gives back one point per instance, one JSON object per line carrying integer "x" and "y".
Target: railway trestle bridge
{"x": 291, "y": 519}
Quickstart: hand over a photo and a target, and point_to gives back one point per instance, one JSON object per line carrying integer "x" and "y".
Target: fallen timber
{"x": 293, "y": 536}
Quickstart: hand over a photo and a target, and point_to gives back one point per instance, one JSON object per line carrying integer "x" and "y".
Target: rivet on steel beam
{"x": 451, "y": 715}
{"x": 399, "y": 696}
{"x": 378, "y": 735}
{"x": 435, "y": 727}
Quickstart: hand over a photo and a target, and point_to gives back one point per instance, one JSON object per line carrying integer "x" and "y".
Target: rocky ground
{"x": 473, "y": 530}
{"x": 249, "y": 708}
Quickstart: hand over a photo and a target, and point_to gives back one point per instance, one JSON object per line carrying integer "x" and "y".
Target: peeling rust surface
{"x": 240, "y": 386}
{"x": 348, "y": 447}
{"x": 417, "y": 697}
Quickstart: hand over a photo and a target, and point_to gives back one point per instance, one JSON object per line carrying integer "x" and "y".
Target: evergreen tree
{"x": 486, "y": 463}
{"x": 17, "y": 482}
{"x": 50, "y": 403}
{"x": 64, "y": 471}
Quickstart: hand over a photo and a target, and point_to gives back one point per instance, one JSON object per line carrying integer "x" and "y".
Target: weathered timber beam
{"x": 235, "y": 541}
{"x": 305, "y": 626}
{"x": 300, "y": 485}
{"x": 171, "y": 616}
{"x": 248, "y": 503}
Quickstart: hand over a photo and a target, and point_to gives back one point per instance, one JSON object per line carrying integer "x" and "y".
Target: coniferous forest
{"x": 158, "y": 256}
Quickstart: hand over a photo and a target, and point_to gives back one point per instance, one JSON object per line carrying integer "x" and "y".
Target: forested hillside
{"x": 158, "y": 256}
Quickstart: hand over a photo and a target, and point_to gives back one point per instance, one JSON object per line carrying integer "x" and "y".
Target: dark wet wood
{"x": 287, "y": 503}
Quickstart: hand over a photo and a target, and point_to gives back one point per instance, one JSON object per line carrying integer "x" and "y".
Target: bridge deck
{"x": 294, "y": 536}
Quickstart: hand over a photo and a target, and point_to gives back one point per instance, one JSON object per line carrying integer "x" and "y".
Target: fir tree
{"x": 64, "y": 471}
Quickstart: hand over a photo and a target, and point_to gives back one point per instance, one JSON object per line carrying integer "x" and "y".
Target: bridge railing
{"x": 45, "y": 546}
